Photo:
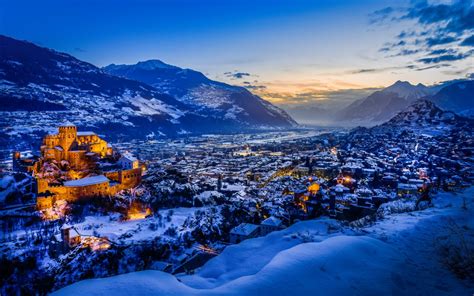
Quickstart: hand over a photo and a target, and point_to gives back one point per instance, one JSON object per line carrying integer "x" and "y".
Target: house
{"x": 128, "y": 161}
{"x": 270, "y": 224}
{"x": 243, "y": 232}
{"x": 407, "y": 189}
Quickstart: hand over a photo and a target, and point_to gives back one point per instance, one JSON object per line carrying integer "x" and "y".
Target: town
{"x": 172, "y": 204}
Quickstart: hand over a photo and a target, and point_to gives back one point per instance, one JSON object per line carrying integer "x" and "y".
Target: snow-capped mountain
{"x": 201, "y": 93}
{"x": 407, "y": 91}
{"x": 457, "y": 97}
{"x": 41, "y": 88}
{"x": 382, "y": 105}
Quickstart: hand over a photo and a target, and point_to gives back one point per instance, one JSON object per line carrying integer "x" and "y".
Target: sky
{"x": 293, "y": 53}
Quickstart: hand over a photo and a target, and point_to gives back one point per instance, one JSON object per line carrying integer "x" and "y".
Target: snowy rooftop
{"x": 129, "y": 156}
{"x": 244, "y": 229}
{"x": 404, "y": 186}
{"x": 86, "y": 133}
{"x": 271, "y": 221}
{"x": 87, "y": 181}
{"x": 232, "y": 187}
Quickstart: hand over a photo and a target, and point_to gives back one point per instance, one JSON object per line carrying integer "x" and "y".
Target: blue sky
{"x": 290, "y": 51}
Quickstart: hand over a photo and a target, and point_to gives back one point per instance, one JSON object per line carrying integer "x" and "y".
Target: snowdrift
{"x": 334, "y": 266}
{"x": 395, "y": 256}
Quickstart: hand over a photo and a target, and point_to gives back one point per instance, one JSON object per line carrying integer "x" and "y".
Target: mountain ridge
{"x": 424, "y": 116}
{"x": 382, "y": 105}
{"x": 63, "y": 87}
{"x": 193, "y": 88}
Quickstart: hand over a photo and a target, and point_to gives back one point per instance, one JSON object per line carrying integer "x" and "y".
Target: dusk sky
{"x": 290, "y": 52}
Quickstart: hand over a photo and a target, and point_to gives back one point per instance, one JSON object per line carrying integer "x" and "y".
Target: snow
{"x": 134, "y": 230}
{"x": 244, "y": 229}
{"x": 154, "y": 107}
{"x": 87, "y": 181}
{"x": 86, "y": 133}
{"x": 396, "y": 255}
{"x": 207, "y": 197}
{"x": 271, "y": 221}
{"x": 7, "y": 185}
{"x": 128, "y": 156}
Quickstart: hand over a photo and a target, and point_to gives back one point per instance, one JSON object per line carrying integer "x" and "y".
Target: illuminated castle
{"x": 82, "y": 152}
{"x": 73, "y": 146}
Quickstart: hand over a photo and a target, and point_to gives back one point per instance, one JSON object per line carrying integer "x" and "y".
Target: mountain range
{"x": 194, "y": 89}
{"x": 41, "y": 88}
{"x": 380, "y": 106}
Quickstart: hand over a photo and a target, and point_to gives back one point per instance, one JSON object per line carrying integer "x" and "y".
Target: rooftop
{"x": 86, "y": 133}
{"x": 271, "y": 221}
{"x": 87, "y": 181}
{"x": 129, "y": 156}
{"x": 244, "y": 229}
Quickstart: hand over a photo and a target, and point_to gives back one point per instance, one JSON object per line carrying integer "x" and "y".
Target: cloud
{"x": 406, "y": 52}
{"x": 459, "y": 72}
{"x": 432, "y": 41}
{"x": 445, "y": 58}
{"x": 370, "y": 70}
{"x": 379, "y": 70}
{"x": 382, "y": 15}
{"x": 431, "y": 67}
{"x": 405, "y": 34}
{"x": 439, "y": 32}
{"x": 326, "y": 98}
{"x": 469, "y": 41}
{"x": 236, "y": 74}
{"x": 410, "y": 66}
{"x": 455, "y": 17}
{"x": 442, "y": 51}
{"x": 254, "y": 86}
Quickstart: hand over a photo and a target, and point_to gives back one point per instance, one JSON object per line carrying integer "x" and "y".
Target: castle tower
{"x": 67, "y": 136}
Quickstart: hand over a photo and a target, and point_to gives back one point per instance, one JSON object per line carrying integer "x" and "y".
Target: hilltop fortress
{"x": 78, "y": 165}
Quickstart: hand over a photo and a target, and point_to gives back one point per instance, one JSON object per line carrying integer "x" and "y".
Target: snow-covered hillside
{"x": 383, "y": 104}
{"x": 41, "y": 88}
{"x": 457, "y": 96}
{"x": 210, "y": 97}
{"x": 423, "y": 116}
{"x": 404, "y": 252}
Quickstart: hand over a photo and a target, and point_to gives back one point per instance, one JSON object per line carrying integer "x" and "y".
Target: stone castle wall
{"x": 68, "y": 145}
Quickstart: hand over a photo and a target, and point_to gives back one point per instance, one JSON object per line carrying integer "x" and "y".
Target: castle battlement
{"x": 80, "y": 151}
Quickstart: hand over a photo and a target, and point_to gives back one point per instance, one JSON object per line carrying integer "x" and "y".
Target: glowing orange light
{"x": 138, "y": 211}
{"x": 313, "y": 188}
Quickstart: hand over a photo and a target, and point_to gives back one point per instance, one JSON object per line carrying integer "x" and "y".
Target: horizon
{"x": 293, "y": 55}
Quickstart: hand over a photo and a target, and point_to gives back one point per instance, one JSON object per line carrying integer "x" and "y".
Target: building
{"x": 243, "y": 232}
{"x": 73, "y": 146}
{"x": 128, "y": 161}
{"x": 270, "y": 224}
{"x": 78, "y": 153}
{"x": 404, "y": 189}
